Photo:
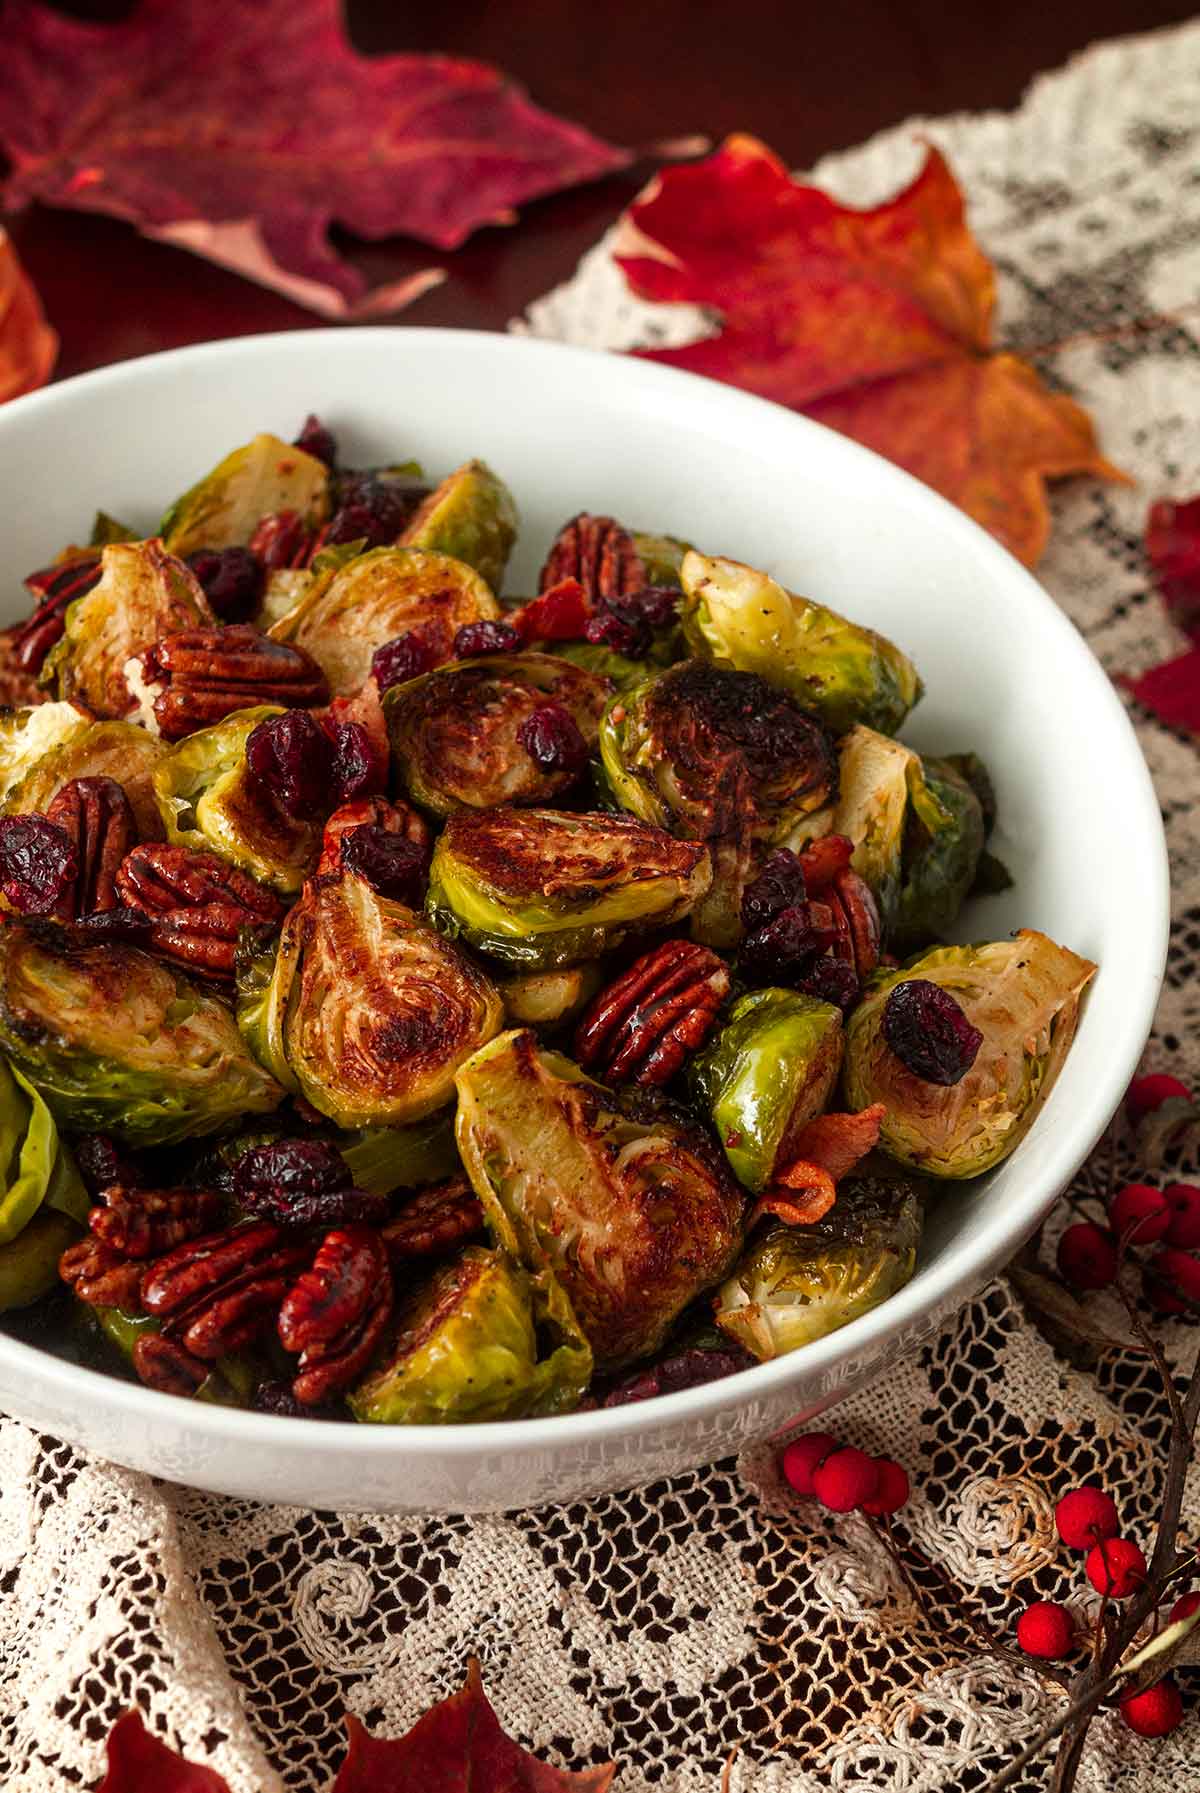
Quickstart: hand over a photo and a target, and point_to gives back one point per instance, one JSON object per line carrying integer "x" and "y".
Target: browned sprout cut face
{"x": 461, "y": 734}
{"x": 544, "y": 887}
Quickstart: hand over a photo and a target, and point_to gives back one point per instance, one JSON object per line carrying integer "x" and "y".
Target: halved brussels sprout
{"x": 1023, "y": 995}
{"x": 36, "y": 1169}
{"x": 661, "y": 556}
{"x": 471, "y": 516}
{"x": 632, "y": 1211}
{"x": 119, "y": 750}
{"x": 282, "y": 591}
{"x": 223, "y": 509}
{"x": 383, "y": 1159}
{"x": 545, "y": 887}
{"x": 455, "y": 731}
{"x": 28, "y": 734}
{"x": 347, "y": 612}
{"x": 116, "y": 1042}
{"x": 721, "y": 757}
{"x": 766, "y": 1072}
{"x": 143, "y": 593}
{"x": 842, "y": 672}
{"x": 544, "y": 998}
{"x": 208, "y": 800}
{"x": 367, "y": 1011}
{"x": 483, "y": 1340}
{"x": 29, "y": 1263}
{"x": 794, "y": 1284}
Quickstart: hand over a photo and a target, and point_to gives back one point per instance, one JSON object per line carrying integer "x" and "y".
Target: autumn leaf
{"x": 139, "y": 1763}
{"x": 457, "y": 1747}
{"x": 1171, "y": 690}
{"x": 28, "y": 346}
{"x": 243, "y": 132}
{"x": 876, "y": 322}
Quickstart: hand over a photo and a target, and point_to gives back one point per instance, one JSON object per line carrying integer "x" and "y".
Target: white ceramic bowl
{"x": 1005, "y": 673}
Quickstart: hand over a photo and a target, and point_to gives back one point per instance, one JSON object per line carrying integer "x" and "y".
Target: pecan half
{"x": 166, "y": 1365}
{"x": 96, "y": 817}
{"x": 197, "y": 904}
{"x": 433, "y": 1221}
{"x": 336, "y": 1312}
{"x": 54, "y": 587}
{"x": 142, "y": 1223}
{"x": 217, "y": 1293}
{"x": 102, "y": 1276}
{"x": 203, "y": 675}
{"x": 853, "y": 911}
{"x": 599, "y": 553}
{"x": 641, "y": 1027}
{"x": 370, "y": 812}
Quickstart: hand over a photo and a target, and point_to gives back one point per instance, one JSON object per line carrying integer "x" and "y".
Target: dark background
{"x": 806, "y": 78}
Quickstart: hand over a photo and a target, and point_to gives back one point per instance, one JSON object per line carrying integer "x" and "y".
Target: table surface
{"x": 806, "y": 79}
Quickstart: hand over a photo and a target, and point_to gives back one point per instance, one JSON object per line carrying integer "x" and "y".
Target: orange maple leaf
{"x": 28, "y": 346}
{"x": 876, "y": 322}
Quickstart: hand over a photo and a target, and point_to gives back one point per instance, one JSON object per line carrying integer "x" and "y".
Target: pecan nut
{"x": 54, "y": 587}
{"x": 143, "y": 1223}
{"x": 95, "y": 815}
{"x": 641, "y": 1027}
{"x": 201, "y": 675}
{"x": 435, "y": 1220}
{"x": 599, "y": 553}
{"x": 849, "y": 899}
{"x": 335, "y": 1314}
{"x": 219, "y": 1292}
{"x": 197, "y": 905}
{"x": 165, "y": 1364}
{"x": 370, "y": 812}
{"x": 102, "y": 1276}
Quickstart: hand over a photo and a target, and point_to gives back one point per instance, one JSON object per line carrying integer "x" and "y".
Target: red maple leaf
{"x": 1171, "y": 690}
{"x": 243, "y": 132}
{"x": 877, "y": 322}
{"x": 28, "y": 346}
{"x": 139, "y": 1763}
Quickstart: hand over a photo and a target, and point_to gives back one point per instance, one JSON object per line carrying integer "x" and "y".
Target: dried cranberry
{"x": 779, "y": 885}
{"x": 407, "y": 656}
{"x": 232, "y": 578}
{"x": 370, "y": 509}
{"x": 277, "y": 1397}
{"x": 929, "y": 1033}
{"x": 783, "y": 949}
{"x": 315, "y": 439}
{"x": 832, "y": 980}
{"x": 551, "y": 738}
{"x": 489, "y": 637}
{"x": 654, "y": 605}
{"x": 359, "y": 767}
{"x": 627, "y": 636}
{"x": 392, "y": 865}
{"x": 101, "y": 1163}
{"x": 690, "y": 1368}
{"x": 303, "y": 1182}
{"x": 37, "y": 863}
{"x": 291, "y": 757}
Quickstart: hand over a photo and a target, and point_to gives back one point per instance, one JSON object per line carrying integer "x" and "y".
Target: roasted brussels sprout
{"x": 796, "y": 1283}
{"x": 841, "y": 671}
{"x": 119, "y": 750}
{"x": 765, "y": 1074}
{"x": 36, "y": 1167}
{"x": 457, "y": 732}
{"x": 1023, "y": 995}
{"x": 720, "y": 757}
{"x": 661, "y": 556}
{"x": 544, "y": 998}
{"x": 118, "y": 1043}
{"x": 207, "y": 799}
{"x": 471, "y": 516}
{"x": 29, "y": 1263}
{"x": 347, "y": 612}
{"x": 27, "y": 735}
{"x": 366, "y": 1011}
{"x": 483, "y": 1340}
{"x": 225, "y": 508}
{"x": 634, "y": 1216}
{"x": 143, "y": 594}
{"x": 543, "y": 888}
{"x": 383, "y": 1159}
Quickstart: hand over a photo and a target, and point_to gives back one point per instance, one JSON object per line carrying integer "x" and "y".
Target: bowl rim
{"x": 920, "y": 1304}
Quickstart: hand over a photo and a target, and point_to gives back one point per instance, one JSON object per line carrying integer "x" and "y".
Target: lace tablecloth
{"x": 667, "y": 1627}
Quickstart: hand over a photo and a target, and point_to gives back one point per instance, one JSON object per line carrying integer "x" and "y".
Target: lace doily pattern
{"x": 673, "y": 1626}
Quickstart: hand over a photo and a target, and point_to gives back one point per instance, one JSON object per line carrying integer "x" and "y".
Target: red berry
{"x": 1183, "y": 1228}
{"x": 845, "y": 1479}
{"x": 1116, "y": 1567}
{"x": 1045, "y": 1629}
{"x": 1087, "y": 1257}
{"x": 1155, "y": 1712}
{"x": 1145, "y": 1094}
{"x": 891, "y": 1491}
{"x": 1140, "y": 1211}
{"x": 1173, "y": 1274}
{"x": 802, "y": 1456}
{"x": 1086, "y": 1515}
{"x": 1184, "y": 1607}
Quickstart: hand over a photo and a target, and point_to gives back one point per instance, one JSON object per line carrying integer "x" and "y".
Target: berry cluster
{"x": 843, "y": 1479}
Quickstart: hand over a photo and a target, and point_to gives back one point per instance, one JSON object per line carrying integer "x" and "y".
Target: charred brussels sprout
{"x": 225, "y": 508}
{"x": 544, "y": 998}
{"x": 366, "y": 1011}
{"x": 633, "y": 1216}
{"x": 27, "y": 735}
{"x": 143, "y": 594}
{"x": 543, "y": 888}
{"x": 346, "y": 612}
{"x": 1023, "y": 995}
{"x": 37, "y": 1169}
{"x": 483, "y": 1340}
{"x": 208, "y": 800}
{"x": 720, "y": 757}
{"x": 119, "y": 750}
{"x": 842, "y": 672}
{"x": 457, "y": 732}
{"x": 767, "y": 1072}
{"x": 115, "y": 1042}
{"x": 29, "y": 1263}
{"x": 796, "y": 1283}
{"x": 471, "y": 516}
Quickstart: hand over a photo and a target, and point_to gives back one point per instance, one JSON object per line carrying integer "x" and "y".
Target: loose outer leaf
{"x": 28, "y": 346}
{"x": 139, "y": 1763}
